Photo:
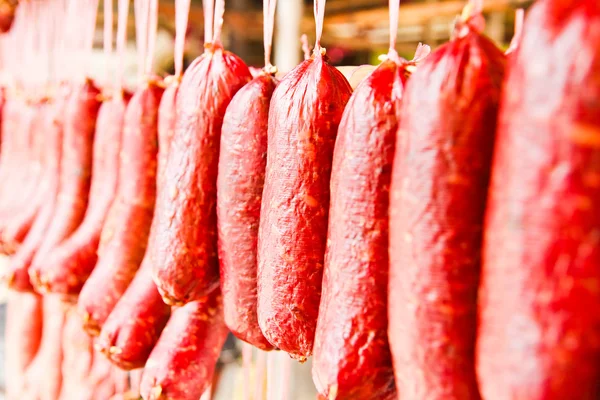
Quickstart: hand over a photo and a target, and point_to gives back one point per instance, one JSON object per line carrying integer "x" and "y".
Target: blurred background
{"x": 356, "y": 32}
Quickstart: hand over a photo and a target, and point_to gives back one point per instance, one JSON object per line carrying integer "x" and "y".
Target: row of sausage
{"x": 430, "y": 235}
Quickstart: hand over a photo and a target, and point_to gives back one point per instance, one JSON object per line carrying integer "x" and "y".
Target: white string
{"x": 394, "y": 11}
{"x": 209, "y": 13}
{"x": 269, "y": 22}
{"x": 182, "y": 10}
{"x": 319, "y": 10}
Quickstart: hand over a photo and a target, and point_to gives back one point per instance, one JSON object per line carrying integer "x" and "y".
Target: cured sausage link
{"x": 182, "y": 363}
{"x": 19, "y": 117}
{"x": 135, "y": 324}
{"x": 242, "y": 164}
{"x": 75, "y": 175}
{"x": 305, "y": 111}
{"x": 539, "y": 331}
{"x": 438, "y": 196}
{"x": 20, "y": 224}
{"x": 186, "y": 263}
{"x": 17, "y": 275}
{"x": 355, "y": 276}
{"x": 67, "y": 266}
{"x": 125, "y": 233}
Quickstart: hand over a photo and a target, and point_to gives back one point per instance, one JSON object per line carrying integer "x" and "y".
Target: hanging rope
{"x": 269, "y": 24}
{"x": 123, "y": 14}
{"x": 182, "y": 10}
{"x": 319, "y": 11}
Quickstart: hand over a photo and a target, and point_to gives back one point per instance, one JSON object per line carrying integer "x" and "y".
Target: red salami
{"x": 125, "y": 233}
{"x": 69, "y": 264}
{"x": 182, "y": 364}
{"x": 539, "y": 332}
{"x": 19, "y": 225}
{"x": 166, "y": 122}
{"x": 65, "y": 269}
{"x": 240, "y": 182}
{"x": 185, "y": 251}
{"x": 75, "y": 173}
{"x": 303, "y": 119}
{"x": 17, "y": 275}
{"x": 21, "y": 168}
{"x": 438, "y": 195}
{"x": 355, "y": 279}
{"x": 43, "y": 378}
{"x": 239, "y": 193}
{"x": 23, "y": 333}
{"x": 134, "y": 326}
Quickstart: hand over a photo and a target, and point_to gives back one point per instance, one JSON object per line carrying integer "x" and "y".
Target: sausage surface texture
{"x": 135, "y": 324}
{"x": 351, "y": 335}
{"x": 438, "y": 194}
{"x": 539, "y": 332}
{"x": 185, "y": 253}
{"x": 167, "y": 115}
{"x": 182, "y": 363}
{"x": 240, "y": 182}
{"x": 125, "y": 233}
{"x": 67, "y": 266}
{"x": 304, "y": 115}
{"x": 75, "y": 175}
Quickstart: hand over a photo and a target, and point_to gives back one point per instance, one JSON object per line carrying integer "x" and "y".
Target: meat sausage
{"x": 68, "y": 265}
{"x": 21, "y": 167}
{"x": 186, "y": 263}
{"x": 438, "y": 195}
{"x": 304, "y": 115}
{"x": 14, "y": 232}
{"x": 17, "y": 274}
{"x": 539, "y": 330}
{"x": 239, "y": 192}
{"x": 182, "y": 363}
{"x": 125, "y": 233}
{"x": 355, "y": 279}
{"x": 134, "y": 325}
{"x": 75, "y": 175}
